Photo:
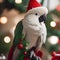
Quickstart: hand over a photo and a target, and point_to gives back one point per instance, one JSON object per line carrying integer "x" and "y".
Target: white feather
{"x": 34, "y": 28}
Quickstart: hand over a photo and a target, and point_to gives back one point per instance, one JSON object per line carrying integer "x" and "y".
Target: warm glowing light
{"x": 18, "y": 1}
{"x": 53, "y": 24}
{"x": 1, "y": 1}
{"x": 4, "y": 57}
{"x": 3, "y": 20}
{"x": 7, "y": 39}
{"x": 53, "y": 40}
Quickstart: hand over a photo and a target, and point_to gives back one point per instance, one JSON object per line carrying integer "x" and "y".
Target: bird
{"x": 33, "y": 27}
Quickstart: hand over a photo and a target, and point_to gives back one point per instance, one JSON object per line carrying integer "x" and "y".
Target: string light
{"x": 53, "y": 40}
{"x": 4, "y": 57}
{"x": 7, "y": 39}
{"x": 52, "y": 23}
{"x": 3, "y": 20}
{"x": 18, "y": 1}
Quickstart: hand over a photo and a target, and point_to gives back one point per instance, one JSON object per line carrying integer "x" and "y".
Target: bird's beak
{"x": 42, "y": 18}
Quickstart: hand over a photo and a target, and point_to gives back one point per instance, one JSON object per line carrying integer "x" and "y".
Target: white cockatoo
{"x": 33, "y": 27}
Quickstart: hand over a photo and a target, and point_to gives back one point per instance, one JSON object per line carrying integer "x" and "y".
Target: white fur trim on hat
{"x": 41, "y": 10}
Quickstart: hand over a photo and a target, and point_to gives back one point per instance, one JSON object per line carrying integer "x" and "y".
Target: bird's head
{"x": 36, "y": 15}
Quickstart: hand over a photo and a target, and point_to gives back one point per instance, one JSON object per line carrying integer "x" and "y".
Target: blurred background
{"x": 12, "y": 11}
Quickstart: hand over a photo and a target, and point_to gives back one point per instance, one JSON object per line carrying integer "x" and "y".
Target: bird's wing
{"x": 42, "y": 38}
{"x": 44, "y": 33}
{"x": 17, "y": 37}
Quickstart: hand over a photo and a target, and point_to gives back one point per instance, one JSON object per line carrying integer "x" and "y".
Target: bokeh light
{"x": 1, "y": 1}
{"x": 58, "y": 8}
{"x": 7, "y": 39}
{"x": 52, "y": 23}
{"x": 3, "y": 20}
{"x": 18, "y": 1}
{"x": 53, "y": 40}
{"x": 4, "y": 57}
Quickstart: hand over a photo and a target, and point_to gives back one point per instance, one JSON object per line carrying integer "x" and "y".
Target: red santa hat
{"x": 33, "y": 4}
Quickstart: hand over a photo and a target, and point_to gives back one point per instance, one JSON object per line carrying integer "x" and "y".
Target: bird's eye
{"x": 36, "y": 14}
